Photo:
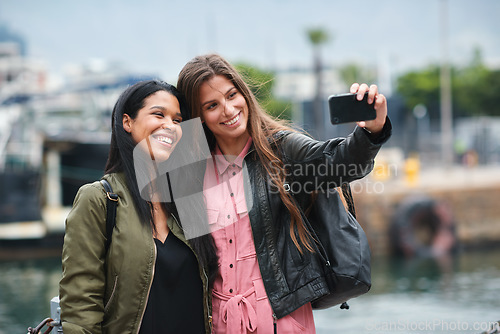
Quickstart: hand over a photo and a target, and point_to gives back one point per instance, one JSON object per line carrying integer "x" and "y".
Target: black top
{"x": 175, "y": 303}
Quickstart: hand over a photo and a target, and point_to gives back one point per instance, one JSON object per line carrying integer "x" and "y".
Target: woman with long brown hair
{"x": 268, "y": 271}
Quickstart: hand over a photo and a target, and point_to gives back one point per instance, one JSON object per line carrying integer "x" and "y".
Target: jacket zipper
{"x": 149, "y": 289}
{"x": 275, "y": 318}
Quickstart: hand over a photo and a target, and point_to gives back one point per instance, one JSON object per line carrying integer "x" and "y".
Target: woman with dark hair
{"x": 150, "y": 279}
{"x": 268, "y": 271}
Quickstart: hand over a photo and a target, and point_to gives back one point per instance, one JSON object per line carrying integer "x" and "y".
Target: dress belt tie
{"x": 238, "y": 313}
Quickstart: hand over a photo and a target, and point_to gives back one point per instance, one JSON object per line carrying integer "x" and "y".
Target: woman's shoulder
{"x": 295, "y": 138}
{"x": 95, "y": 190}
{"x": 90, "y": 193}
{"x": 280, "y": 136}
{"x": 118, "y": 180}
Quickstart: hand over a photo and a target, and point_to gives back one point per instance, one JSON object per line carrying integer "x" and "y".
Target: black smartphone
{"x": 345, "y": 108}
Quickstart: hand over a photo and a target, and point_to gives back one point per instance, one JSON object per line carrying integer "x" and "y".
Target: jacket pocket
{"x": 213, "y": 217}
{"x": 290, "y": 323}
{"x": 241, "y": 207}
{"x": 246, "y": 246}
{"x": 299, "y": 321}
{"x": 260, "y": 291}
{"x": 299, "y": 260}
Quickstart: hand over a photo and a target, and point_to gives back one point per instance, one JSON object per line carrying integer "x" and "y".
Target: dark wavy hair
{"x": 121, "y": 159}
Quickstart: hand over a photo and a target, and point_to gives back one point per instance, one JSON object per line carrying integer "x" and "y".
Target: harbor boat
{"x": 20, "y": 159}
{"x": 51, "y": 141}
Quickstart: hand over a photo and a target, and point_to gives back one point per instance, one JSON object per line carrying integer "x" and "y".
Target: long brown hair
{"x": 261, "y": 127}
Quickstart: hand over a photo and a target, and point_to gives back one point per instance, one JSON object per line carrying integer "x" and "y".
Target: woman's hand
{"x": 374, "y": 126}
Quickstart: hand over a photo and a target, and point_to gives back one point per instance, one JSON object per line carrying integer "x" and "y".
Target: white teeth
{"x": 234, "y": 120}
{"x": 165, "y": 140}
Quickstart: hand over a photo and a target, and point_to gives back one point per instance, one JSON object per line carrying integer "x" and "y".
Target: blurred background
{"x": 430, "y": 207}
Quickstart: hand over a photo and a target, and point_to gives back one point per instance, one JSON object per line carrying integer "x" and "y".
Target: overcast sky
{"x": 158, "y": 36}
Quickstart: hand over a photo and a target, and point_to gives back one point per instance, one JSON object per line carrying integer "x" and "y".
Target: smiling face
{"x": 157, "y": 125}
{"x": 224, "y": 110}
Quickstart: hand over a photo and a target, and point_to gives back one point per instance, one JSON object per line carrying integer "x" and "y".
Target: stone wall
{"x": 473, "y": 198}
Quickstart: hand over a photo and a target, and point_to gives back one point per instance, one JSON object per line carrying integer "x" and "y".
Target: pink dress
{"x": 240, "y": 303}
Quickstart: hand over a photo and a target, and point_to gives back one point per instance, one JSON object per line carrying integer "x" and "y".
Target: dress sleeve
{"x": 83, "y": 280}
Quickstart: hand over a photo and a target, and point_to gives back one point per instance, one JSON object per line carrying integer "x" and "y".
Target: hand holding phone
{"x": 345, "y": 108}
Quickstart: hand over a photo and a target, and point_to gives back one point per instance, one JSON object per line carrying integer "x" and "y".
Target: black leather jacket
{"x": 292, "y": 279}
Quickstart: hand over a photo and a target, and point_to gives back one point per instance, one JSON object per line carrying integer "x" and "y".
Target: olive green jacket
{"x": 108, "y": 293}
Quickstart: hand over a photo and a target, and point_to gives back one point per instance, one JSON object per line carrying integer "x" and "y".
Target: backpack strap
{"x": 112, "y": 201}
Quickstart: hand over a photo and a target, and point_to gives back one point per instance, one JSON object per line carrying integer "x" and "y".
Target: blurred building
{"x": 298, "y": 85}
{"x": 51, "y": 142}
{"x": 477, "y": 140}
{"x": 19, "y": 76}
{"x": 20, "y": 146}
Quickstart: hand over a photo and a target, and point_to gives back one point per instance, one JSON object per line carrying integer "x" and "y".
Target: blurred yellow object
{"x": 381, "y": 170}
{"x": 412, "y": 170}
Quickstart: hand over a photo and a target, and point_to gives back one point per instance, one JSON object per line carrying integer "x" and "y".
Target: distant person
{"x": 151, "y": 279}
{"x": 470, "y": 158}
{"x": 268, "y": 274}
